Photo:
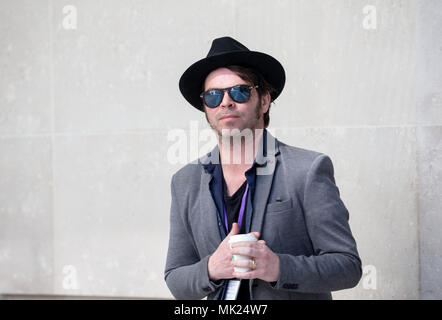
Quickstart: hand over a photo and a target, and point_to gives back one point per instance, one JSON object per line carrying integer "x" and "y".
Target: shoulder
{"x": 299, "y": 167}
{"x": 187, "y": 174}
{"x": 298, "y": 153}
{"x": 302, "y": 158}
{"x": 303, "y": 164}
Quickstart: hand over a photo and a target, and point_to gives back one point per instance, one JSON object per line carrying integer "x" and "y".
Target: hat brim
{"x": 192, "y": 80}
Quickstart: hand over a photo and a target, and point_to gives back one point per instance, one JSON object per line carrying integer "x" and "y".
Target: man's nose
{"x": 227, "y": 102}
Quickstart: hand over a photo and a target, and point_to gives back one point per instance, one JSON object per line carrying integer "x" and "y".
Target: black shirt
{"x": 233, "y": 206}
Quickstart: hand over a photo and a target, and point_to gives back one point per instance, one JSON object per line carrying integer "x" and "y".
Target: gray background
{"x": 85, "y": 115}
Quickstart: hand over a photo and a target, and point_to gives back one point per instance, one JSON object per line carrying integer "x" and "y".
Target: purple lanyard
{"x": 241, "y": 210}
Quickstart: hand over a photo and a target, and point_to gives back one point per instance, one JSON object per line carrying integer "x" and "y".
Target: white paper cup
{"x": 240, "y": 238}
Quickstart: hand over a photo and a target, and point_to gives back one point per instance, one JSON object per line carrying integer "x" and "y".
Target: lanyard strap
{"x": 241, "y": 210}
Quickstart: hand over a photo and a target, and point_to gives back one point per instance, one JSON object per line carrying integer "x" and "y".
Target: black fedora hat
{"x": 224, "y": 52}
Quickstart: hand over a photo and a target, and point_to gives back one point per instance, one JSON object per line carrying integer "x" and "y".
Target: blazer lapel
{"x": 209, "y": 212}
{"x": 264, "y": 178}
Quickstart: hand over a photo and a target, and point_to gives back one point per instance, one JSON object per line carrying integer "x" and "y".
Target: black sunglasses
{"x": 240, "y": 93}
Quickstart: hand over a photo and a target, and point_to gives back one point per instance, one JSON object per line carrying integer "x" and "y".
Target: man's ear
{"x": 265, "y": 102}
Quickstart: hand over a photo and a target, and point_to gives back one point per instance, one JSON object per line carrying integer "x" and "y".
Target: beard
{"x": 251, "y": 124}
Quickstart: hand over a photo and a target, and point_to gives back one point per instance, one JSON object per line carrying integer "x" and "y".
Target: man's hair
{"x": 255, "y": 78}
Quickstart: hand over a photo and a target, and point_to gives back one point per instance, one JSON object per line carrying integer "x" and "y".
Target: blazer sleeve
{"x": 186, "y": 273}
{"x": 335, "y": 264}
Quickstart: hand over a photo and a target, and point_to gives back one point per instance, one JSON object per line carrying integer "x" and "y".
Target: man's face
{"x": 230, "y": 114}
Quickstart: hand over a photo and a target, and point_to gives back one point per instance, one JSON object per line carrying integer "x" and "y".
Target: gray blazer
{"x": 297, "y": 209}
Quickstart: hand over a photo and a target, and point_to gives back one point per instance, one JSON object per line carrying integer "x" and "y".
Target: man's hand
{"x": 267, "y": 262}
{"x": 220, "y": 266}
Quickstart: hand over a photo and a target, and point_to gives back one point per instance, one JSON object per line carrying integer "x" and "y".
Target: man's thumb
{"x": 235, "y": 229}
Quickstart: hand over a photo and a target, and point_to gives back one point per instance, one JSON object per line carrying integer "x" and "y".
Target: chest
{"x": 233, "y": 183}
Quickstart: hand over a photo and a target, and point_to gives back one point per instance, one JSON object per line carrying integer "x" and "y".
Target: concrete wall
{"x": 429, "y": 137}
{"x": 89, "y": 93}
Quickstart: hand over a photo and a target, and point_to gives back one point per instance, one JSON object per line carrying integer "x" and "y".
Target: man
{"x": 285, "y": 195}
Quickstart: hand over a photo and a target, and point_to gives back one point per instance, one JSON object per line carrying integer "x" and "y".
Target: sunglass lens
{"x": 240, "y": 93}
{"x": 213, "y": 98}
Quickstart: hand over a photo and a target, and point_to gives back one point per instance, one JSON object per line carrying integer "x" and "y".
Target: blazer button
{"x": 292, "y": 286}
